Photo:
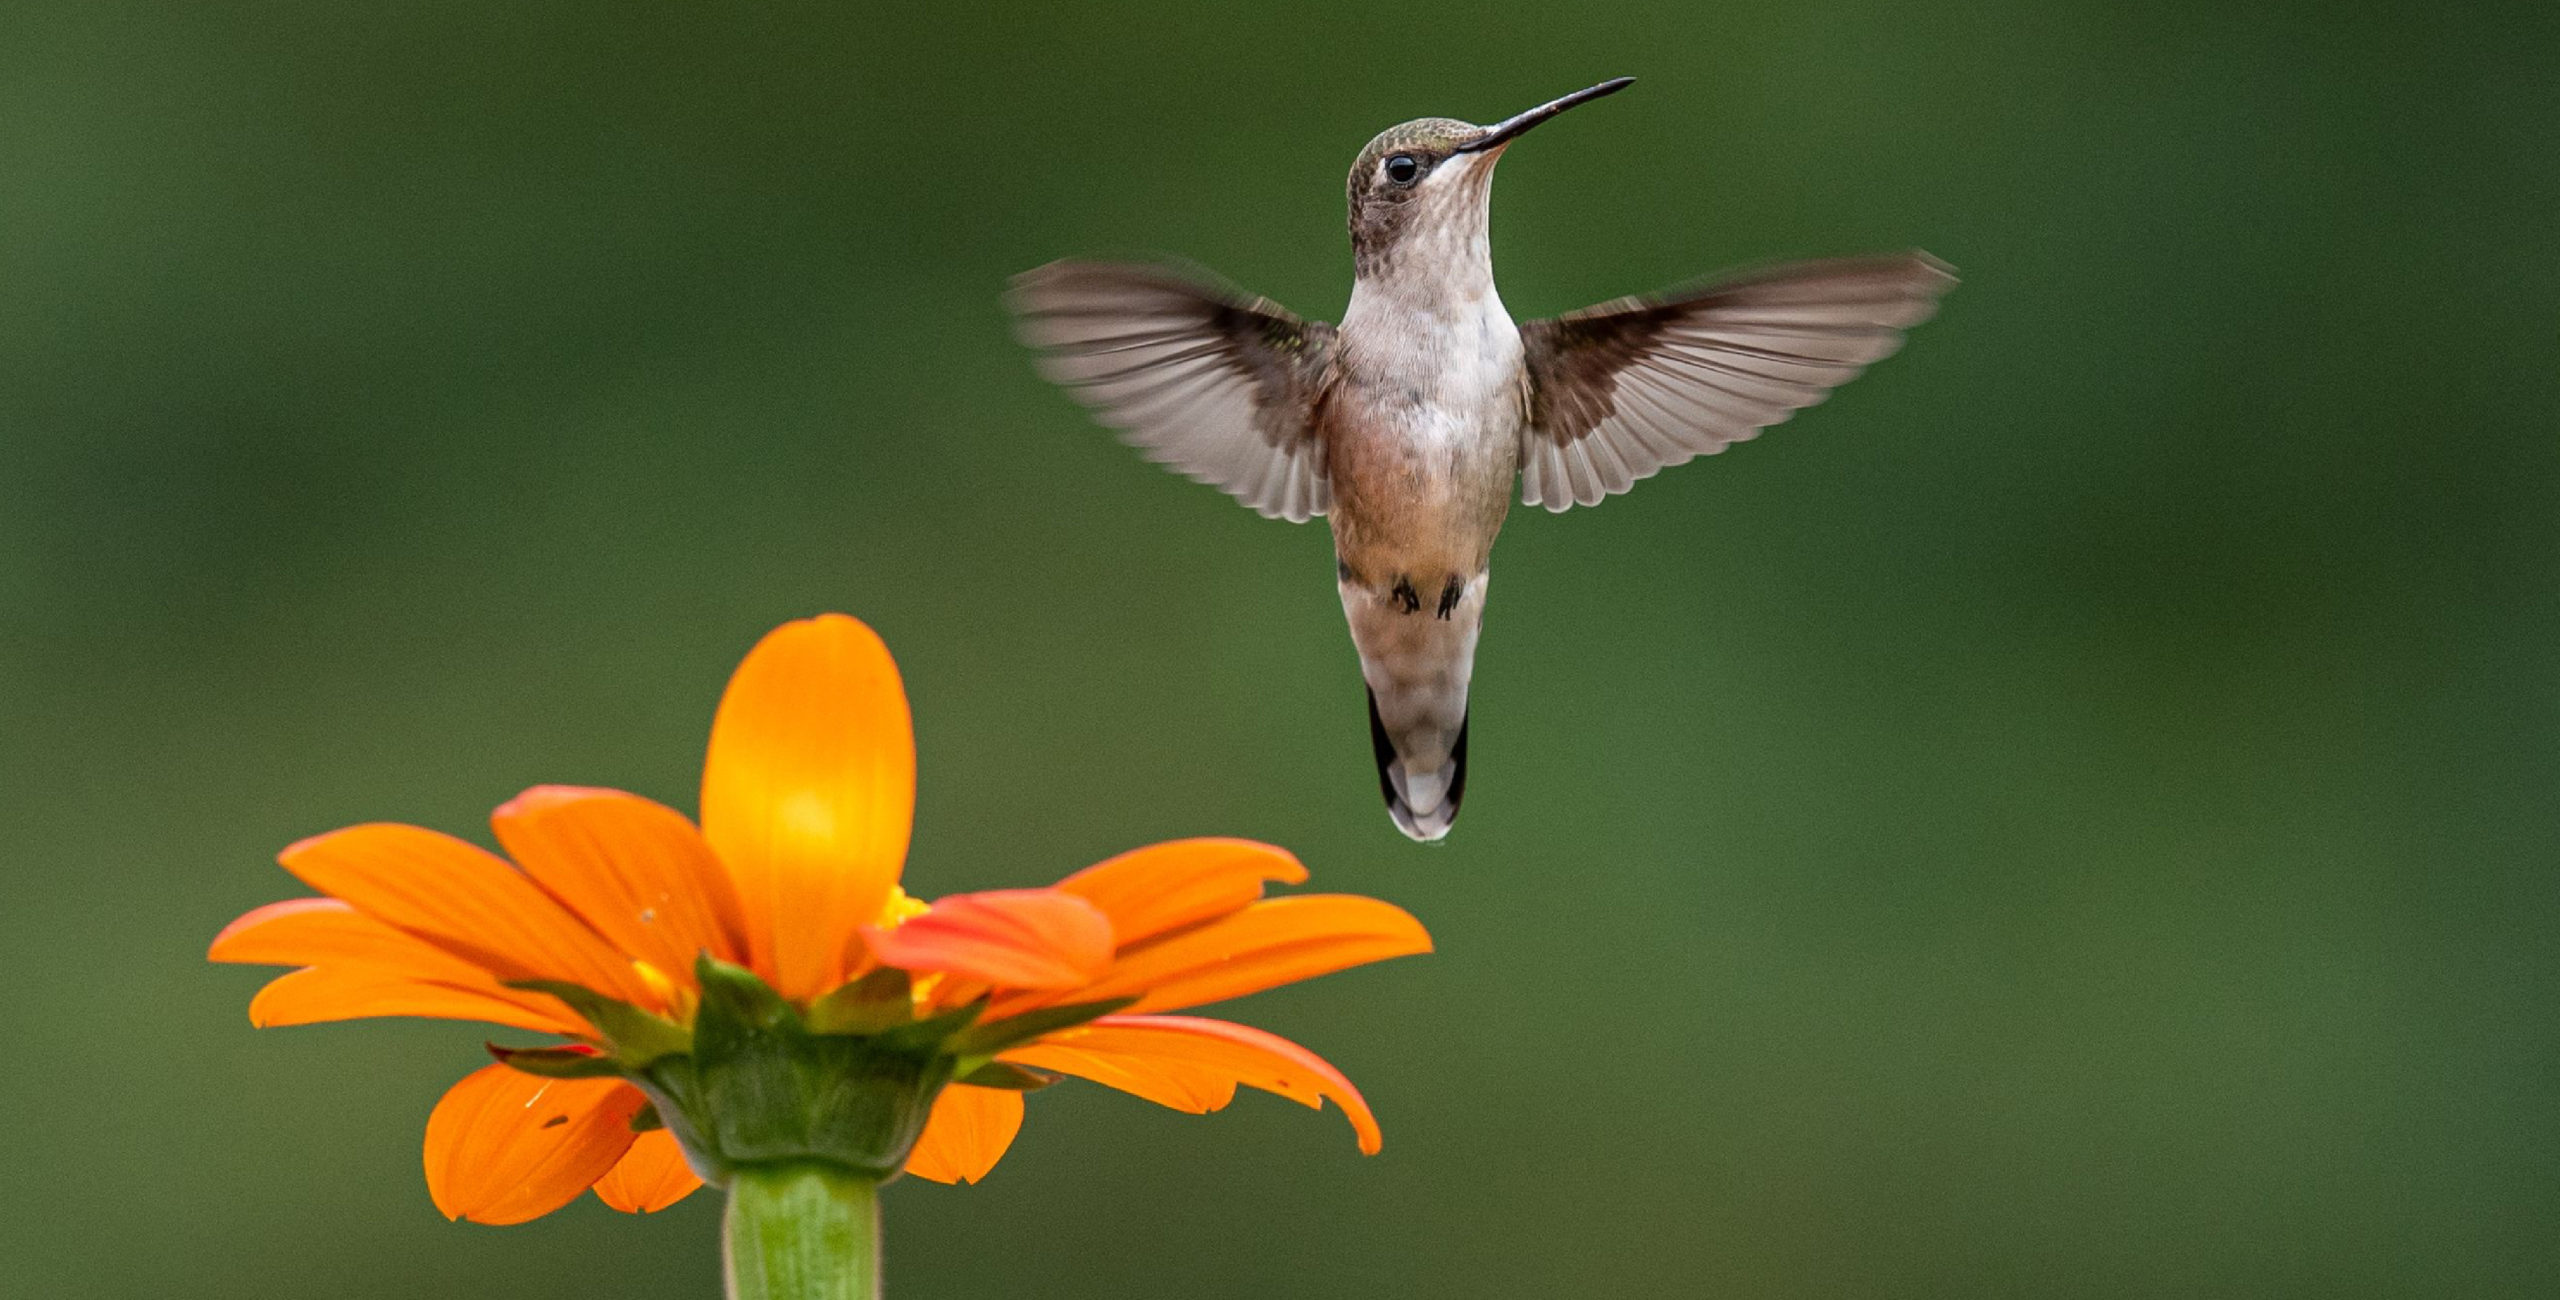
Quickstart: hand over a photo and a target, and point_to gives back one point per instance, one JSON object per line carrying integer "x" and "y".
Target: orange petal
{"x": 967, "y": 1133}
{"x": 364, "y": 958}
{"x": 1274, "y": 942}
{"x": 330, "y": 932}
{"x": 370, "y": 969}
{"x": 808, "y": 794}
{"x": 1162, "y": 887}
{"x": 467, "y": 901}
{"x": 1010, "y": 938}
{"x": 636, "y": 871}
{"x": 325, "y": 993}
{"x": 1181, "y": 1086}
{"x": 651, "y": 1176}
{"x": 1157, "y": 1050}
{"x": 504, "y": 1146}
{"x": 310, "y": 931}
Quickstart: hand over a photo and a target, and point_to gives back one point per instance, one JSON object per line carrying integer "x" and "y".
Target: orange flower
{"x": 617, "y": 917}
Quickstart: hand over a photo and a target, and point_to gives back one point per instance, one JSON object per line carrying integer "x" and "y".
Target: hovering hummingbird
{"x": 1407, "y": 423}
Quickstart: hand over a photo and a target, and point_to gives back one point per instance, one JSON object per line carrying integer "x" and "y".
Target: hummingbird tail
{"x": 1424, "y": 805}
{"x": 1416, "y": 661}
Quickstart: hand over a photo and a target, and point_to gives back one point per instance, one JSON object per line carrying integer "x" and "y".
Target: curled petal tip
{"x": 1169, "y": 1059}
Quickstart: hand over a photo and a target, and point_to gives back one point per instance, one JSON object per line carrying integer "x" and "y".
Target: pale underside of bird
{"x": 1407, "y": 424}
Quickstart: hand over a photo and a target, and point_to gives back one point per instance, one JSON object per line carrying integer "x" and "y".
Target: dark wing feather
{"x": 1621, "y": 390}
{"x": 1216, "y": 385}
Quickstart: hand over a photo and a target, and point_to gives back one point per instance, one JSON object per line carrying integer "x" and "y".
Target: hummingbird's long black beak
{"x": 1504, "y": 131}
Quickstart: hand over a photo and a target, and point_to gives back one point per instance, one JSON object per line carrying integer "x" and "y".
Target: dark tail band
{"x": 1442, "y": 817}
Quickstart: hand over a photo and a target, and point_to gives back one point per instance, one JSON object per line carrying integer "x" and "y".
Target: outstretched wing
{"x": 1621, "y": 390}
{"x": 1216, "y": 385}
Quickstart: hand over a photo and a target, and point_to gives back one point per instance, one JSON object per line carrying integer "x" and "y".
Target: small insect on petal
{"x": 505, "y": 1147}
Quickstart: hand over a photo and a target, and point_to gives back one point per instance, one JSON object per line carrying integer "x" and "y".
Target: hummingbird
{"x": 1407, "y": 424}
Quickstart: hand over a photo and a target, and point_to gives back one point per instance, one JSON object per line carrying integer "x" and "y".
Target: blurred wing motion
{"x": 1216, "y": 385}
{"x": 1621, "y": 390}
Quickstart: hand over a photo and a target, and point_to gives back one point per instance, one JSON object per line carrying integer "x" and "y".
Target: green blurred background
{"x": 2075, "y": 815}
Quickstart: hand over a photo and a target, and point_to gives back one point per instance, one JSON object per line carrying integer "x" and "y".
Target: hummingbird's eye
{"x": 1403, "y": 170}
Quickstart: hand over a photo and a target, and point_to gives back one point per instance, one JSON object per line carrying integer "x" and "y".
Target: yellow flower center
{"x": 900, "y": 908}
{"x": 677, "y": 999}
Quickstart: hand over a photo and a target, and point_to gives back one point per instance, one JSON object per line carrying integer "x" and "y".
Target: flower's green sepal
{"x": 1005, "y": 1074}
{"x": 931, "y": 1035}
{"x": 996, "y": 1035}
{"x": 635, "y": 1037}
{"x": 883, "y": 999}
{"x": 755, "y": 1083}
{"x": 575, "y": 1062}
{"x": 759, "y": 1088}
{"x": 736, "y": 991}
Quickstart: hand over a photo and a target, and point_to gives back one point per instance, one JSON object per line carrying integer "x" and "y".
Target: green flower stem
{"x": 802, "y": 1232}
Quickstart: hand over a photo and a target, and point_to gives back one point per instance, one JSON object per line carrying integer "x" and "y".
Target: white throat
{"x": 1430, "y": 324}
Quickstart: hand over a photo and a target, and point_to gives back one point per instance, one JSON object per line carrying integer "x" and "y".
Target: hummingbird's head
{"x": 1422, "y": 188}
